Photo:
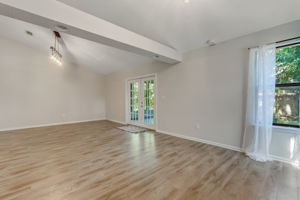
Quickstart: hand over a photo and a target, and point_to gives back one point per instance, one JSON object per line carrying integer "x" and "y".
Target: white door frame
{"x": 154, "y": 75}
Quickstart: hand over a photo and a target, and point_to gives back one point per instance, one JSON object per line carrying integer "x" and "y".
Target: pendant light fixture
{"x": 55, "y": 55}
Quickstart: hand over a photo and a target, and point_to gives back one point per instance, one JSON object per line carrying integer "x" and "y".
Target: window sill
{"x": 282, "y": 129}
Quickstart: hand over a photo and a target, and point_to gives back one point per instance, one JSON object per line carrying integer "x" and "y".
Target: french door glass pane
{"x": 134, "y": 101}
{"x": 149, "y": 101}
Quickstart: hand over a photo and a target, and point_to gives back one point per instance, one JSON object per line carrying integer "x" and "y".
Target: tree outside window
{"x": 287, "y": 96}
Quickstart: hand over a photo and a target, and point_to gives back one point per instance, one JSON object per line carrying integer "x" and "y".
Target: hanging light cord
{"x": 55, "y": 54}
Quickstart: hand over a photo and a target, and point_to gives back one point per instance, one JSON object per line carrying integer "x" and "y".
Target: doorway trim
{"x": 155, "y": 98}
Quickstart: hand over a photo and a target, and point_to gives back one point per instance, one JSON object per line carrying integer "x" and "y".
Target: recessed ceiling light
{"x": 186, "y": 1}
{"x": 211, "y": 42}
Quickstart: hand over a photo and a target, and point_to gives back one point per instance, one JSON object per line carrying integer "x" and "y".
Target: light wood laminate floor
{"x": 94, "y": 160}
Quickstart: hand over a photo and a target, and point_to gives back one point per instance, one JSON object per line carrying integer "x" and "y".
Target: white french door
{"x": 141, "y": 102}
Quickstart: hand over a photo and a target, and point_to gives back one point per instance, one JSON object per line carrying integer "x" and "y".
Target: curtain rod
{"x": 278, "y": 42}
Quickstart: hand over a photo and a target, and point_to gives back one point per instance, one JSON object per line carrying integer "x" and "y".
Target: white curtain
{"x": 260, "y": 103}
{"x": 295, "y": 150}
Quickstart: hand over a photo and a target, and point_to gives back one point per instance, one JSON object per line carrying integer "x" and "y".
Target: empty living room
{"x": 149, "y": 100}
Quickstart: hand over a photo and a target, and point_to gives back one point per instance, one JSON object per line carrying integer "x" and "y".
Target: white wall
{"x": 34, "y": 91}
{"x": 208, "y": 88}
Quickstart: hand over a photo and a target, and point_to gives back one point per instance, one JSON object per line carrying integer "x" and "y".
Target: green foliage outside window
{"x": 287, "y": 105}
{"x": 288, "y": 65}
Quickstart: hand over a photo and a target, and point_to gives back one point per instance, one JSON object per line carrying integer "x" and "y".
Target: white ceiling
{"x": 188, "y": 26}
{"x": 181, "y": 26}
{"x": 104, "y": 59}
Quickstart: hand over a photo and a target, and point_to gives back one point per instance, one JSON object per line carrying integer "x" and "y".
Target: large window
{"x": 287, "y": 96}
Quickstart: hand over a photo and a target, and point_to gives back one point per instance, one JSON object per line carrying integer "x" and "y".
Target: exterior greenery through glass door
{"x": 149, "y": 101}
{"x": 146, "y": 100}
{"x": 134, "y": 101}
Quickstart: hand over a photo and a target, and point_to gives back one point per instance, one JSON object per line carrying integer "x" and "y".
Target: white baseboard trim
{"x": 281, "y": 159}
{"x": 51, "y": 124}
{"x": 116, "y": 121}
{"x": 226, "y": 146}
